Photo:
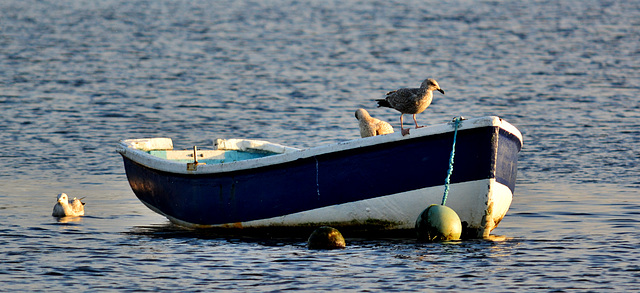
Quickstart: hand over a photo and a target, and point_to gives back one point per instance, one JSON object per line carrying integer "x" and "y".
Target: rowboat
{"x": 379, "y": 183}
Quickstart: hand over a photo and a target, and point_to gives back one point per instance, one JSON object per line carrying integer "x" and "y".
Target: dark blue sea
{"x": 78, "y": 76}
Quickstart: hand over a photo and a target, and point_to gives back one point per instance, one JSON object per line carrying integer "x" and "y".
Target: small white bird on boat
{"x": 411, "y": 100}
{"x": 64, "y": 208}
{"x": 370, "y": 126}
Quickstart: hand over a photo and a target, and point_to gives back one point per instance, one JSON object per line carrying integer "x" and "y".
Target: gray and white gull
{"x": 411, "y": 100}
{"x": 64, "y": 208}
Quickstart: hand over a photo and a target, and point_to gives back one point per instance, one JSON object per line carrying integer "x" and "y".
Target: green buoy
{"x": 438, "y": 223}
{"x": 326, "y": 238}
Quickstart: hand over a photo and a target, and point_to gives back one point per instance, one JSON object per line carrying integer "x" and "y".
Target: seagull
{"x": 65, "y": 209}
{"x": 370, "y": 126}
{"x": 411, "y": 100}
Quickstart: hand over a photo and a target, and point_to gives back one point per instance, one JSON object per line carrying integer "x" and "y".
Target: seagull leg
{"x": 402, "y": 130}
{"x": 416, "y": 121}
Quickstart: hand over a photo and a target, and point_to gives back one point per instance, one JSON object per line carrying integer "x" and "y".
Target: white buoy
{"x": 438, "y": 223}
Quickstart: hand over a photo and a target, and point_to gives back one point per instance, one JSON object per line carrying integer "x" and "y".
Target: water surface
{"x": 77, "y": 76}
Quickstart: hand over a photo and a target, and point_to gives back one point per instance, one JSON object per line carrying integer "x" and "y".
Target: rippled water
{"x": 77, "y": 76}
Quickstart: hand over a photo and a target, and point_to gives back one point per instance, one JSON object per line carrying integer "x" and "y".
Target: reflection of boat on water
{"x": 375, "y": 183}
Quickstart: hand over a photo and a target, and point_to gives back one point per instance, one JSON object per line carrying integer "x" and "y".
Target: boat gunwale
{"x": 145, "y": 159}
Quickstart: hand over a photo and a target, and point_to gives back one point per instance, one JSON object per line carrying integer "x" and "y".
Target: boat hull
{"x": 383, "y": 185}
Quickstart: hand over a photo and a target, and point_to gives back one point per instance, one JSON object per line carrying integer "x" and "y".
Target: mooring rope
{"x": 447, "y": 182}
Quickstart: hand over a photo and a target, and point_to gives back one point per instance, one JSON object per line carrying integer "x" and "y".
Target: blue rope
{"x": 447, "y": 181}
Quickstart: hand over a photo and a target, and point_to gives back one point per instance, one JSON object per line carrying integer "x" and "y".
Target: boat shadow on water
{"x": 279, "y": 236}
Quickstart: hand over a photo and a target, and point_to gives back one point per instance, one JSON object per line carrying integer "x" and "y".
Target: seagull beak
{"x": 441, "y": 90}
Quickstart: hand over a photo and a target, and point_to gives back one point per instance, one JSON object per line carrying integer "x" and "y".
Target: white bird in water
{"x": 64, "y": 208}
{"x": 370, "y": 126}
{"x": 411, "y": 100}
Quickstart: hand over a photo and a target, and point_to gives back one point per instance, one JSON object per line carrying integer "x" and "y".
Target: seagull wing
{"x": 77, "y": 206}
{"x": 403, "y": 98}
{"x": 383, "y": 127}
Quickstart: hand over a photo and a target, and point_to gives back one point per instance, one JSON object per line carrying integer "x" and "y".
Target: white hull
{"x": 400, "y": 211}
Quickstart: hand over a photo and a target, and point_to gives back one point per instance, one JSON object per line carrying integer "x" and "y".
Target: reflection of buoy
{"x": 326, "y": 238}
{"x": 438, "y": 223}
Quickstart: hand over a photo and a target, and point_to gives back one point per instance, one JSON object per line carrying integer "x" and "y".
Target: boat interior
{"x": 225, "y": 150}
{"x": 208, "y": 156}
